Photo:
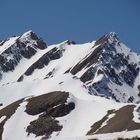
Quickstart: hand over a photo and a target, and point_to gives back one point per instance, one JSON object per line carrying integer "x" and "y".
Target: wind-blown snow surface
{"x": 60, "y": 73}
{"x": 89, "y": 108}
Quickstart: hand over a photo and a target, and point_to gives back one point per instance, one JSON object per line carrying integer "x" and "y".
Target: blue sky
{"x": 78, "y": 20}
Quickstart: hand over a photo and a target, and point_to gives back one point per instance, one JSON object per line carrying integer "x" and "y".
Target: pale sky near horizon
{"x": 78, "y": 20}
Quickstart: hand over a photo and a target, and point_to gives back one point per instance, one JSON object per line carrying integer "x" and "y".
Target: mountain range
{"x": 68, "y": 91}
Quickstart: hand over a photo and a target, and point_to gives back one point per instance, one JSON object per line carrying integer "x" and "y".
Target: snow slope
{"x": 96, "y": 76}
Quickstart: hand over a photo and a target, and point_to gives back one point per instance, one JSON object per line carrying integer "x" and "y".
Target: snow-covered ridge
{"x": 68, "y": 90}
{"x": 102, "y": 65}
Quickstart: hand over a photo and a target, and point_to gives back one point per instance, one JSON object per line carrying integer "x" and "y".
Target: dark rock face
{"x": 43, "y": 61}
{"x": 134, "y": 138}
{"x": 44, "y": 126}
{"x": 101, "y": 40}
{"x": 89, "y": 60}
{"x": 50, "y": 74}
{"x": 51, "y": 106}
{"x": 33, "y": 35}
{"x": 60, "y": 110}
{"x": 111, "y": 61}
{"x": 20, "y": 78}
{"x": 130, "y": 74}
{"x": 117, "y": 123}
{"x": 98, "y": 124}
{"x": 28, "y": 52}
{"x": 101, "y": 87}
{"x": 8, "y": 111}
{"x": 41, "y": 44}
{"x": 44, "y": 102}
{"x": 69, "y": 42}
{"x": 88, "y": 75}
{"x": 2, "y": 42}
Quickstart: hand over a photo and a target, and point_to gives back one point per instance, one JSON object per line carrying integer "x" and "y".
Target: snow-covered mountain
{"x": 68, "y": 91}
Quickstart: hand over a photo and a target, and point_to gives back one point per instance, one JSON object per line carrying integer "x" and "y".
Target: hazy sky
{"x": 78, "y": 20}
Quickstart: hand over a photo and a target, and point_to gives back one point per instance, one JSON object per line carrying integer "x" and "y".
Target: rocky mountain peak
{"x": 14, "y": 49}
{"x": 69, "y": 42}
{"x": 109, "y": 63}
{"x": 29, "y": 35}
{"x": 111, "y": 38}
{"x": 31, "y": 38}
